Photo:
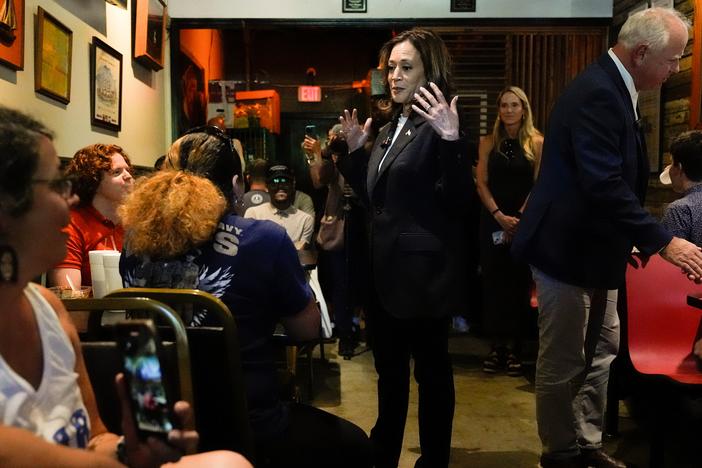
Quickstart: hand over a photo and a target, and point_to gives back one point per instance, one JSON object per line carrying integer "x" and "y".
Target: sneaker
{"x": 460, "y": 325}
{"x": 514, "y": 365}
{"x": 493, "y": 362}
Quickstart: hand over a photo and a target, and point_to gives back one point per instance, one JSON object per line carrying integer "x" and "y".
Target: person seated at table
{"x": 253, "y": 267}
{"x": 256, "y": 178}
{"x": 101, "y": 175}
{"x": 683, "y": 217}
{"x": 48, "y": 412}
{"x": 281, "y": 187}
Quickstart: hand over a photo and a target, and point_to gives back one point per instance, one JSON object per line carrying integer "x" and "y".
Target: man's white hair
{"x": 650, "y": 27}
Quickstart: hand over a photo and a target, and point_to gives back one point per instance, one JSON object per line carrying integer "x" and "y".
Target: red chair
{"x": 662, "y": 326}
{"x": 661, "y": 331}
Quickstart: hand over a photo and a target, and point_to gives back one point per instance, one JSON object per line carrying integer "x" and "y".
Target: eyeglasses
{"x": 61, "y": 185}
{"x": 212, "y": 131}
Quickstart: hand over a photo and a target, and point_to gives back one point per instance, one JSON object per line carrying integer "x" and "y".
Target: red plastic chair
{"x": 662, "y": 327}
{"x": 661, "y": 332}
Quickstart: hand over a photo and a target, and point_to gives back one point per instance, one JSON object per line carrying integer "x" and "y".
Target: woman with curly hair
{"x": 181, "y": 231}
{"x": 101, "y": 175}
{"x": 507, "y": 167}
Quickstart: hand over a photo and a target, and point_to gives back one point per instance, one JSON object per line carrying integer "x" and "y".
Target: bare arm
{"x": 305, "y": 324}
{"x": 538, "y": 147}
{"x": 22, "y": 448}
{"x": 57, "y": 277}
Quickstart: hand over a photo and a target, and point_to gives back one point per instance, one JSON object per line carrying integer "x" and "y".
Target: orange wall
{"x": 204, "y": 47}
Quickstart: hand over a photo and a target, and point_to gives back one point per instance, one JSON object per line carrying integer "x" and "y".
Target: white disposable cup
{"x": 97, "y": 272}
{"x": 113, "y": 279}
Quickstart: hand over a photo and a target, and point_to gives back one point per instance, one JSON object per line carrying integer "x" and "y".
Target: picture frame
{"x": 696, "y": 86}
{"x": 149, "y": 32}
{"x": 53, "y": 51}
{"x": 105, "y": 86}
{"x": 12, "y": 34}
{"x": 462, "y": 6}
{"x": 354, "y": 6}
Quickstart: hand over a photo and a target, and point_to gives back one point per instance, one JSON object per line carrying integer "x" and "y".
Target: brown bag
{"x": 330, "y": 236}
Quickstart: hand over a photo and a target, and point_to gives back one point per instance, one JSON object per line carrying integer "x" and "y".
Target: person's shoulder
{"x": 255, "y": 228}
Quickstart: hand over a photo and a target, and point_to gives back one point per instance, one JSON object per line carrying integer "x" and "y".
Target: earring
{"x": 8, "y": 264}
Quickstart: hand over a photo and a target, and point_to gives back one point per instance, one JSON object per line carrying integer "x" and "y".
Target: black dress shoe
{"x": 599, "y": 459}
{"x": 570, "y": 462}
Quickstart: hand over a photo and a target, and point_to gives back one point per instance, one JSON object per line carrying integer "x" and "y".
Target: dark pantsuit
{"x": 395, "y": 341}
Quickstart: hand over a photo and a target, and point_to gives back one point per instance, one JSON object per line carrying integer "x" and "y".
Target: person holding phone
{"x": 48, "y": 412}
{"x": 507, "y": 167}
{"x": 417, "y": 184}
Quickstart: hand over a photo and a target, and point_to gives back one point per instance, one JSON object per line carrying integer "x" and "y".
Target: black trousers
{"x": 315, "y": 439}
{"x": 396, "y": 341}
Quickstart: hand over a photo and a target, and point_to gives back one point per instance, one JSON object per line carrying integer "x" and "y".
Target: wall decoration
{"x": 12, "y": 33}
{"x": 192, "y": 111}
{"x": 105, "y": 86}
{"x": 119, "y": 3}
{"x": 353, "y": 6}
{"x": 696, "y": 94}
{"x": 463, "y": 6}
{"x": 149, "y": 32}
{"x": 53, "y": 47}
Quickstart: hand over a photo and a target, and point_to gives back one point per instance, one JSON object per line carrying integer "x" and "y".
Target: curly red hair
{"x": 88, "y": 166}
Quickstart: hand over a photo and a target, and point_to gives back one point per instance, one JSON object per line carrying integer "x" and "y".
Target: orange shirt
{"x": 89, "y": 230}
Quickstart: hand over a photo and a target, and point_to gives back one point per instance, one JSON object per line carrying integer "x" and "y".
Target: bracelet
{"x": 494, "y": 211}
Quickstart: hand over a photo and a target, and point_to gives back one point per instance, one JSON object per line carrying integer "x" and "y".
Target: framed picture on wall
{"x": 53, "y": 48}
{"x": 149, "y": 32}
{"x": 12, "y": 33}
{"x": 105, "y": 86}
{"x": 696, "y": 90}
{"x": 353, "y": 6}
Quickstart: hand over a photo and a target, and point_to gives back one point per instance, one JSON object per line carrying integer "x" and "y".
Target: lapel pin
{"x": 409, "y": 132}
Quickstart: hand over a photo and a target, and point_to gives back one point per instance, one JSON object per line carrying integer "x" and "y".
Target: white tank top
{"x": 54, "y": 411}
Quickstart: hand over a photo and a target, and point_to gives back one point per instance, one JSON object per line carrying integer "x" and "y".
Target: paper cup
{"x": 97, "y": 272}
{"x": 113, "y": 279}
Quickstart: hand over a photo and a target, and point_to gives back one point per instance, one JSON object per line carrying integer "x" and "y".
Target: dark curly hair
{"x": 88, "y": 166}
{"x": 19, "y": 157}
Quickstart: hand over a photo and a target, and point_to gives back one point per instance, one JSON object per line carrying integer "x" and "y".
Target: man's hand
{"x": 312, "y": 147}
{"x": 686, "y": 255}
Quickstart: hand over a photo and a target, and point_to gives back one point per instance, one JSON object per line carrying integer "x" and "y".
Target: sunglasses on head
{"x": 210, "y": 130}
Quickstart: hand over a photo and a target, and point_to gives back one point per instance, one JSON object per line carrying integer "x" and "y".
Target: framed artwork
{"x": 149, "y": 32}
{"x": 696, "y": 94}
{"x": 353, "y": 6}
{"x": 192, "y": 110}
{"x": 105, "y": 86}
{"x": 462, "y": 6}
{"x": 12, "y": 33}
{"x": 53, "y": 47}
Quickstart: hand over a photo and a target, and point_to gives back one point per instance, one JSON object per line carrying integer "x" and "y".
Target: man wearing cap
{"x": 281, "y": 188}
{"x": 683, "y": 217}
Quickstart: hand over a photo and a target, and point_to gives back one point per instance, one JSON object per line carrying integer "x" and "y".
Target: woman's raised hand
{"x": 355, "y": 135}
{"x": 441, "y": 116}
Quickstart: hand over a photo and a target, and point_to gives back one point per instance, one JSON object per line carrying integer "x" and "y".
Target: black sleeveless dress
{"x": 506, "y": 282}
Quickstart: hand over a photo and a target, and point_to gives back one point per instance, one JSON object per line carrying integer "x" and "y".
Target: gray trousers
{"x": 578, "y": 340}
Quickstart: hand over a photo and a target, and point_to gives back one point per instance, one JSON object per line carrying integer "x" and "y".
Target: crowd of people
{"x": 561, "y": 210}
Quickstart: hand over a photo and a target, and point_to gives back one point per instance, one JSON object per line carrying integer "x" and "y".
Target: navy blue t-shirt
{"x": 253, "y": 267}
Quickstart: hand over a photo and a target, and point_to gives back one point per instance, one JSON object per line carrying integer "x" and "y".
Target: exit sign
{"x": 309, "y": 93}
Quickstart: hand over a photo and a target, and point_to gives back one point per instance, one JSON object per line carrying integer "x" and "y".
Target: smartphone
{"x": 311, "y": 131}
{"x": 498, "y": 238}
{"x": 151, "y": 406}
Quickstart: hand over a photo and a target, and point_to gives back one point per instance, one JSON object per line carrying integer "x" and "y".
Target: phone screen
{"x": 142, "y": 370}
{"x": 311, "y": 131}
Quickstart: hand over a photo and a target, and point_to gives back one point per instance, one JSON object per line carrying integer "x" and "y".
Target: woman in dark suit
{"x": 416, "y": 183}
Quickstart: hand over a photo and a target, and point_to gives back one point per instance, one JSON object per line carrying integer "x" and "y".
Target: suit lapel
{"x": 407, "y": 134}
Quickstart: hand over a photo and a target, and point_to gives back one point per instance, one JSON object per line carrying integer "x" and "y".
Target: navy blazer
{"x": 585, "y": 211}
{"x": 417, "y": 202}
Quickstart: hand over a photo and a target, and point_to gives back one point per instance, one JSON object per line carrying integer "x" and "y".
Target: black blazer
{"x": 585, "y": 211}
{"x": 417, "y": 202}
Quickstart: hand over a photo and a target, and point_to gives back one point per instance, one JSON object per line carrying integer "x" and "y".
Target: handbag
{"x": 330, "y": 236}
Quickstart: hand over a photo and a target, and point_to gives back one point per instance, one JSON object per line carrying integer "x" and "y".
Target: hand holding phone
{"x": 151, "y": 407}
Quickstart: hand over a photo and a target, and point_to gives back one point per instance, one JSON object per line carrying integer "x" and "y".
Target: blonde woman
{"x": 507, "y": 166}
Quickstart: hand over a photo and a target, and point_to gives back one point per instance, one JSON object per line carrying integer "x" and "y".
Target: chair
{"x": 662, "y": 329}
{"x": 103, "y": 358}
{"x": 218, "y": 383}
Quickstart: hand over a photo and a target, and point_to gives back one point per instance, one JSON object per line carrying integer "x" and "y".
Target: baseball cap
{"x": 665, "y": 176}
{"x": 279, "y": 172}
